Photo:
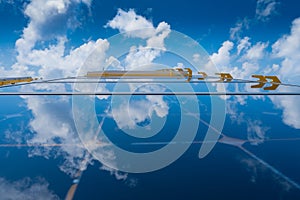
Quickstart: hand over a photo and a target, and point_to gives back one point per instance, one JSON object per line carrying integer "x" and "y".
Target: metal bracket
{"x": 225, "y": 77}
{"x": 262, "y": 80}
{"x": 204, "y": 75}
{"x": 190, "y": 74}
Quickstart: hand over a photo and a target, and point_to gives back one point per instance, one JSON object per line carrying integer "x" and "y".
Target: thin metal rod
{"x": 274, "y": 83}
{"x": 92, "y": 80}
{"x": 235, "y": 80}
{"x": 148, "y": 81}
{"x": 152, "y": 93}
{"x": 34, "y": 82}
{"x": 201, "y": 142}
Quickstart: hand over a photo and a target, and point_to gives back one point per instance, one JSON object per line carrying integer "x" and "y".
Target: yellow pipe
{"x": 167, "y": 73}
{"x": 14, "y": 80}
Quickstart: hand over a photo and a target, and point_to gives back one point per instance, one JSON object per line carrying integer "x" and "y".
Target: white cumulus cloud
{"x": 222, "y": 58}
{"x": 240, "y": 26}
{"x": 244, "y": 44}
{"x": 257, "y": 51}
{"x": 137, "y": 26}
{"x": 287, "y": 48}
{"x": 129, "y": 22}
{"x": 25, "y": 189}
{"x": 47, "y": 20}
{"x": 256, "y": 131}
{"x": 265, "y": 9}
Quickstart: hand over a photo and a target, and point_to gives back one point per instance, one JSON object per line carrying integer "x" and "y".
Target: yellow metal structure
{"x": 14, "y": 80}
{"x": 204, "y": 75}
{"x": 163, "y": 73}
{"x": 225, "y": 77}
{"x": 263, "y": 80}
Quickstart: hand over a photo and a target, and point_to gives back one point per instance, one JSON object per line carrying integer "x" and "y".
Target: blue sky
{"x": 208, "y": 22}
{"x": 52, "y": 39}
